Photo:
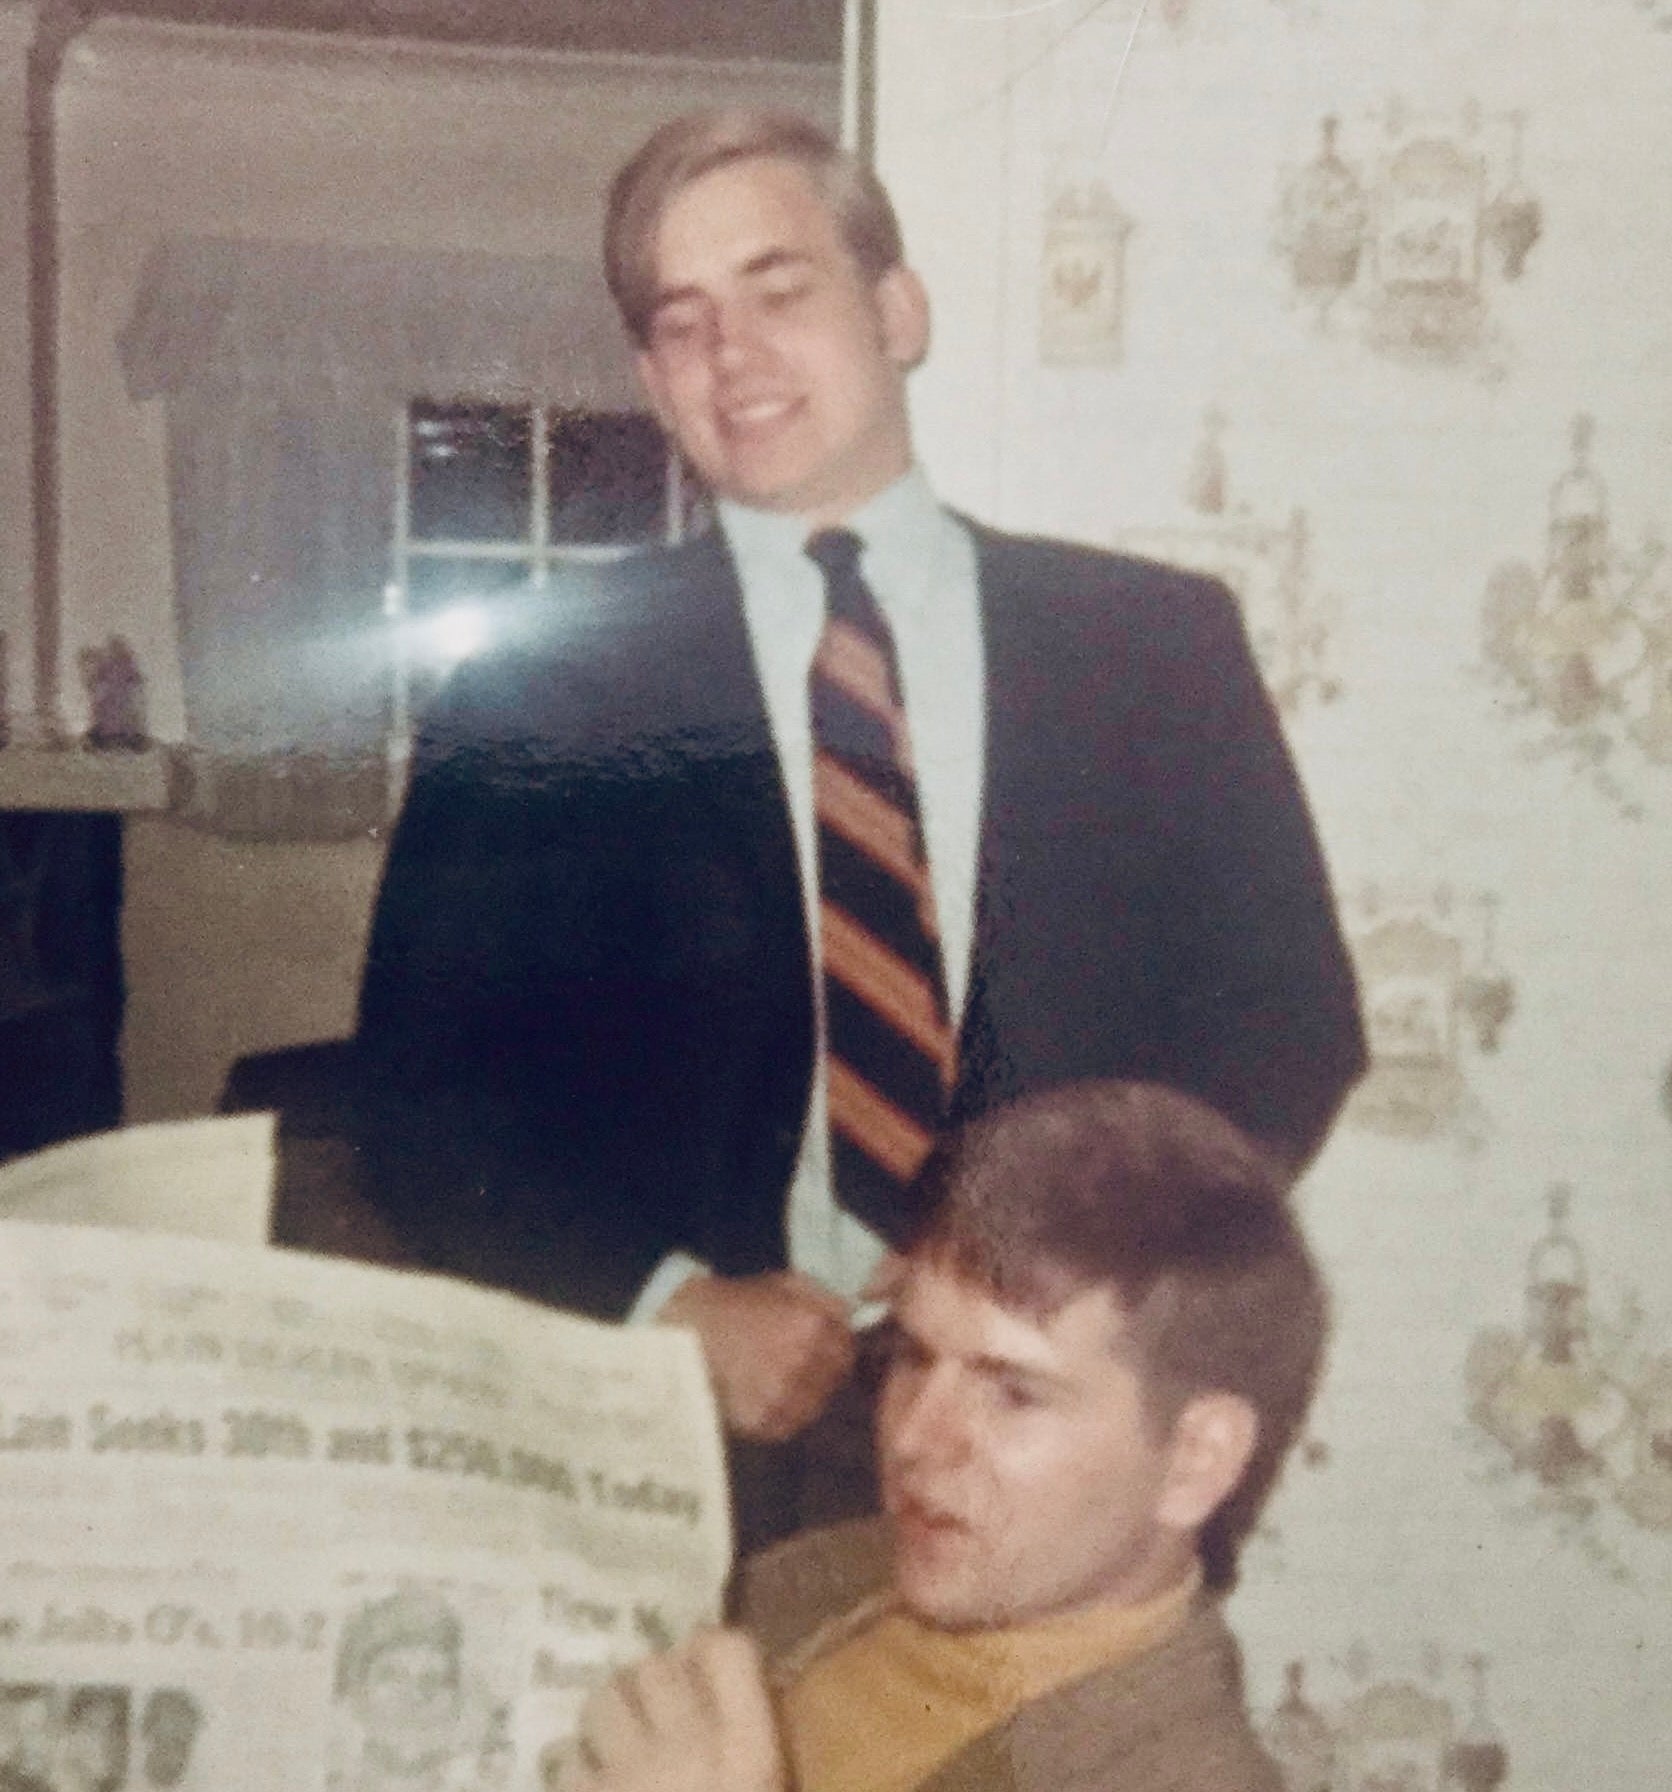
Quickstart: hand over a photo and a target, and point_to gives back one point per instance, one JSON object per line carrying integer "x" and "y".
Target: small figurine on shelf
{"x": 115, "y": 697}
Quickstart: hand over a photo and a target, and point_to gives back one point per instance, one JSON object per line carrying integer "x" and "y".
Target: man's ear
{"x": 1213, "y": 1438}
{"x": 654, "y": 387}
{"x": 903, "y": 307}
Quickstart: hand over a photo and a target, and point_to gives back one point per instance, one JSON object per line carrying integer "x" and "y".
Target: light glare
{"x": 455, "y": 633}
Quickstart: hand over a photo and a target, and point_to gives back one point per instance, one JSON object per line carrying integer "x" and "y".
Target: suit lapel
{"x": 1006, "y": 661}
{"x": 1172, "y": 1721}
{"x": 737, "y": 858}
{"x": 704, "y": 674}
{"x": 717, "y": 717}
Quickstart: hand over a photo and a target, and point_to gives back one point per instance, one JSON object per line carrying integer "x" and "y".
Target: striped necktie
{"x": 889, "y": 1045}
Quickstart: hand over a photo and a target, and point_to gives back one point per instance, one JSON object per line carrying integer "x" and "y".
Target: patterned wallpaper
{"x": 1365, "y": 306}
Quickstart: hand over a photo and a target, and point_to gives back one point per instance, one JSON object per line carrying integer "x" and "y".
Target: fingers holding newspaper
{"x": 777, "y": 1345}
{"x": 696, "y": 1719}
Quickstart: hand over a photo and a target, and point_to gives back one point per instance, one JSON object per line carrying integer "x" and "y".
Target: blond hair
{"x": 685, "y": 149}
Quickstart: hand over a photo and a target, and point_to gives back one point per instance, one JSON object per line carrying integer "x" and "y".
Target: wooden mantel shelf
{"x": 75, "y": 778}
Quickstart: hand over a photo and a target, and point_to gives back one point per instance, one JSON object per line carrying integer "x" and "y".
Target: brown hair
{"x": 1151, "y": 1191}
{"x": 686, "y": 148}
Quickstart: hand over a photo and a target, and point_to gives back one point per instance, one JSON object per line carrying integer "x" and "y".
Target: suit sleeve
{"x": 1262, "y": 1006}
{"x": 489, "y": 1134}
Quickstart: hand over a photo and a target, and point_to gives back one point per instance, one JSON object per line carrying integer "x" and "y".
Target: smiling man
{"x": 739, "y": 869}
{"x": 1108, "y": 1336}
{"x": 818, "y": 426}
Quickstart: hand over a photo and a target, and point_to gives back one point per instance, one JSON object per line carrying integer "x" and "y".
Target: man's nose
{"x": 733, "y": 332}
{"x": 928, "y": 1422}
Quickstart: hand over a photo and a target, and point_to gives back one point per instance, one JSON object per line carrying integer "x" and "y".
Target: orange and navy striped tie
{"x": 889, "y": 1044}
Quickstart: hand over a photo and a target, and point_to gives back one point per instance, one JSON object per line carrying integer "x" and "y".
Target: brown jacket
{"x": 1172, "y": 1721}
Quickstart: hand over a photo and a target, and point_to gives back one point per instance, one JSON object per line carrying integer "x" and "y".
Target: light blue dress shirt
{"x": 919, "y": 562}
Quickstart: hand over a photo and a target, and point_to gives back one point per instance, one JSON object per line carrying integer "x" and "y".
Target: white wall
{"x": 1509, "y": 810}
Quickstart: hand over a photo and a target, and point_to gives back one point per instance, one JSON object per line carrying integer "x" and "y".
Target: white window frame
{"x": 536, "y": 551}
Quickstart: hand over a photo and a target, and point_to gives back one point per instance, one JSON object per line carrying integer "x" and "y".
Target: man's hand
{"x": 886, "y": 1280}
{"x": 778, "y": 1346}
{"x": 698, "y": 1719}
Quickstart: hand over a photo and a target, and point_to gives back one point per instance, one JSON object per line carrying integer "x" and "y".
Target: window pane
{"x": 470, "y": 470}
{"x": 607, "y": 478}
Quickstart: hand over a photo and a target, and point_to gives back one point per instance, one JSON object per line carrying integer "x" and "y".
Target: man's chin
{"x": 941, "y": 1607}
{"x": 762, "y": 478}
{"x": 935, "y": 1589}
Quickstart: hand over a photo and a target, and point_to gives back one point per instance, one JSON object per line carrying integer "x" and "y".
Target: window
{"x": 495, "y": 497}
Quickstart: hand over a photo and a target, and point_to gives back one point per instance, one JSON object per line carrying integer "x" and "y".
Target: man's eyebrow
{"x": 769, "y": 261}
{"x": 983, "y": 1363}
{"x": 1006, "y": 1368}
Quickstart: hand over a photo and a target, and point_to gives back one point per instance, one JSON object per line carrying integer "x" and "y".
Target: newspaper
{"x": 211, "y": 1177}
{"x": 271, "y": 1523}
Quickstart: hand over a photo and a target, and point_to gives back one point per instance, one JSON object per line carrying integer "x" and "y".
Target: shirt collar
{"x": 900, "y": 528}
{"x": 1027, "y": 1661}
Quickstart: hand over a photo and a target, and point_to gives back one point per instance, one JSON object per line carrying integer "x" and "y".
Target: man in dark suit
{"x": 593, "y": 1018}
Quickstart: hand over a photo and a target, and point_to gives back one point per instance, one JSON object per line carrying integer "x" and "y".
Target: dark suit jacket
{"x": 587, "y": 1020}
{"x": 1171, "y": 1721}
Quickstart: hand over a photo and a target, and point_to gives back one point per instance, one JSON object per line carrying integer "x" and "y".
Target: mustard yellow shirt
{"x": 886, "y": 1707}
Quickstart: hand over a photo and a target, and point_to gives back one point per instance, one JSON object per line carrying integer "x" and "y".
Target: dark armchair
{"x": 318, "y": 1198}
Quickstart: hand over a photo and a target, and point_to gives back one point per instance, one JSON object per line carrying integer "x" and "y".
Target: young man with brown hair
{"x": 1108, "y": 1336}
